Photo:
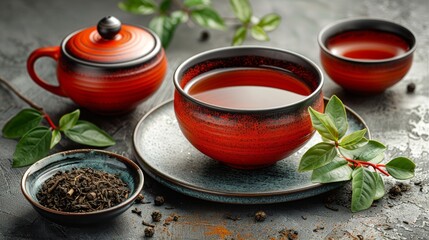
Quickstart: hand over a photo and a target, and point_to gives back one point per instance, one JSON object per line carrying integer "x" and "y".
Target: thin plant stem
{"x": 359, "y": 163}
{"x": 29, "y": 102}
{"x": 22, "y": 97}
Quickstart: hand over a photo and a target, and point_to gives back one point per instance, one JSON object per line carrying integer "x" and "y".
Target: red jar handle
{"x": 52, "y": 52}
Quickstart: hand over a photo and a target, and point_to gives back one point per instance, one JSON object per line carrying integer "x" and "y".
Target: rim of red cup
{"x": 377, "y": 24}
{"x": 244, "y": 51}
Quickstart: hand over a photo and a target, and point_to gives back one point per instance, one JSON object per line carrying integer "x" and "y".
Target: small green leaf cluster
{"x": 258, "y": 27}
{"x": 343, "y": 157}
{"x": 169, "y": 14}
{"x": 36, "y": 140}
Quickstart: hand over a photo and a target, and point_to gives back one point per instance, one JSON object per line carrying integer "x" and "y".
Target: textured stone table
{"x": 396, "y": 118}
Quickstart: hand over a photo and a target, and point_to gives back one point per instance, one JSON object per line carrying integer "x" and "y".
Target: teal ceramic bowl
{"x": 38, "y": 173}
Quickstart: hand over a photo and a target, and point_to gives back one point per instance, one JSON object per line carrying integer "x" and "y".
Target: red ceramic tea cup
{"x": 109, "y": 68}
{"x": 366, "y": 55}
{"x": 247, "y": 138}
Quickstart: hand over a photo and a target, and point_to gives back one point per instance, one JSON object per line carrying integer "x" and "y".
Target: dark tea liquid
{"x": 367, "y": 44}
{"x": 247, "y": 88}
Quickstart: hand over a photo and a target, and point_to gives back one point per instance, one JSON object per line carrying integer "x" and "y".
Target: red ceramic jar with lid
{"x": 109, "y": 68}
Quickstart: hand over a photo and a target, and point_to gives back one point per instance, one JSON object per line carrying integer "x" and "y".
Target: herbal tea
{"x": 248, "y": 88}
{"x": 367, "y": 44}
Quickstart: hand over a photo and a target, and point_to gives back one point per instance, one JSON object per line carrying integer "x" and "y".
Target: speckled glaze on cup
{"x": 112, "y": 163}
{"x": 360, "y": 75}
{"x": 247, "y": 139}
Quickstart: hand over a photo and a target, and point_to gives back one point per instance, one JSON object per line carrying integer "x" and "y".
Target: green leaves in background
{"x": 21, "y": 123}
{"x": 164, "y": 27}
{"x": 208, "y": 17}
{"x": 269, "y": 22}
{"x": 170, "y": 14}
{"x": 242, "y": 10}
{"x": 196, "y": 3}
{"x": 258, "y": 28}
{"x": 36, "y": 140}
{"x": 258, "y": 33}
{"x": 165, "y": 5}
{"x": 239, "y": 36}
{"x": 144, "y": 7}
{"x": 342, "y": 157}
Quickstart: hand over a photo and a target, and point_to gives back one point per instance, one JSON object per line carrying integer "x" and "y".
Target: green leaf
{"x": 88, "y": 134}
{"x": 56, "y": 138}
{"x": 33, "y": 146}
{"x": 239, "y": 36}
{"x": 323, "y": 124}
{"x": 336, "y": 171}
{"x": 357, "y": 145}
{"x": 379, "y": 186}
{"x": 326, "y": 140}
{"x": 196, "y": 3}
{"x": 69, "y": 120}
{"x": 144, "y": 7}
{"x": 164, "y": 27}
{"x": 269, "y": 22}
{"x": 317, "y": 156}
{"x": 372, "y": 151}
{"x": 178, "y": 17}
{"x": 336, "y": 111}
{"x": 21, "y": 123}
{"x": 242, "y": 10}
{"x": 363, "y": 189}
{"x": 164, "y": 6}
{"x": 401, "y": 168}
{"x": 258, "y": 33}
{"x": 349, "y": 141}
{"x": 208, "y": 17}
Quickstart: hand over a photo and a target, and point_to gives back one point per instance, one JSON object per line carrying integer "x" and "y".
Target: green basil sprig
{"x": 342, "y": 157}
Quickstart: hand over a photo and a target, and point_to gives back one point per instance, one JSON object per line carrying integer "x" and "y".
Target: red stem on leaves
{"x": 49, "y": 120}
{"x": 29, "y": 102}
{"x": 359, "y": 163}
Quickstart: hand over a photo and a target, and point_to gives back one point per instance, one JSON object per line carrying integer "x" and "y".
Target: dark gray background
{"x": 398, "y": 119}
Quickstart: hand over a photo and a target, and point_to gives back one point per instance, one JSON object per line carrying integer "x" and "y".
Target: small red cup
{"x": 366, "y": 76}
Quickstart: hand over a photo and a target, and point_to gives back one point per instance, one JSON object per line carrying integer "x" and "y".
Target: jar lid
{"x": 111, "y": 42}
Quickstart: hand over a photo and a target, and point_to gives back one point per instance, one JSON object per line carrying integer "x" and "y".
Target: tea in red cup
{"x": 366, "y": 55}
{"x": 247, "y": 106}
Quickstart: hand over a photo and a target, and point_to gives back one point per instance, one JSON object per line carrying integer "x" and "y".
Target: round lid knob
{"x": 112, "y": 42}
{"x": 108, "y": 27}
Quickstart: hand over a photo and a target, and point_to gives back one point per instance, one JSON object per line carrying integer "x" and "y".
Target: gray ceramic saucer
{"x": 167, "y": 156}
